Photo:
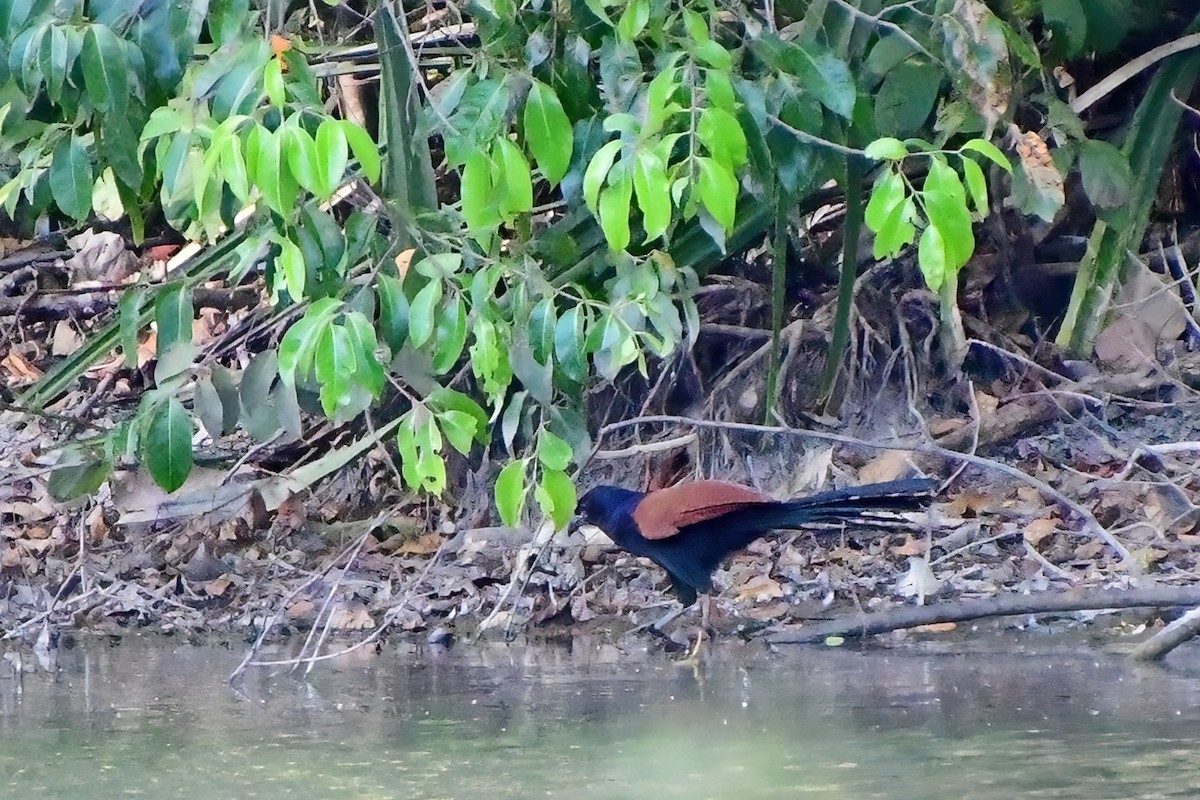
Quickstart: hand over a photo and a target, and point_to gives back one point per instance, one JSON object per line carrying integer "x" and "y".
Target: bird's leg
{"x": 693, "y": 656}
{"x": 666, "y": 619}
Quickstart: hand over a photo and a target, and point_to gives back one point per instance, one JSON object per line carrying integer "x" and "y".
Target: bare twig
{"x": 1006, "y": 606}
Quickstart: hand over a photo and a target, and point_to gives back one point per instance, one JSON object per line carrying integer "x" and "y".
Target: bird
{"x": 690, "y": 528}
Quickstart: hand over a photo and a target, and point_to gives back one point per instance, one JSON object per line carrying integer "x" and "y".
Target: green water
{"x": 156, "y": 719}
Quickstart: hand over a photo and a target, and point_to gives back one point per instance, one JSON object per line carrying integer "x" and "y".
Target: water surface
{"x": 155, "y": 718}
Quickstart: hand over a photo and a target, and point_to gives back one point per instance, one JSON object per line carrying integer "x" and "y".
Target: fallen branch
{"x": 1005, "y": 606}
{"x": 1170, "y": 637}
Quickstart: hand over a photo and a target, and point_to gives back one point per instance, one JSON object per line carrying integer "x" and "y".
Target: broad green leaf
{"x": 335, "y": 368}
{"x": 552, "y": 451}
{"x": 53, "y": 61}
{"x": 1068, "y": 23}
{"x": 444, "y": 399}
{"x": 370, "y": 374}
{"x": 653, "y": 193}
{"x": 105, "y": 70}
{"x": 167, "y": 447}
{"x": 393, "y": 311}
{"x": 129, "y": 309}
{"x": 990, "y": 152}
{"x": 451, "y": 334}
{"x": 78, "y": 473}
{"x": 888, "y": 193}
{"x": 976, "y": 185}
{"x": 714, "y": 55}
{"x": 821, "y": 73}
{"x": 517, "y": 181}
{"x": 1106, "y": 175}
{"x": 233, "y": 169}
{"x": 945, "y": 202}
{"x": 720, "y": 90}
{"x": 888, "y": 148}
{"x": 897, "y": 230}
{"x": 477, "y": 188}
{"x": 556, "y": 497}
{"x": 301, "y": 154}
{"x": 510, "y": 493}
{"x": 931, "y": 257}
{"x": 548, "y": 132}
{"x": 292, "y": 268}
{"x": 459, "y": 428}
{"x": 71, "y": 178}
{"x": 906, "y": 98}
{"x": 569, "y": 345}
{"x": 273, "y": 83}
{"x": 206, "y": 404}
{"x": 633, "y": 20}
{"x": 173, "y": 314}
{"x": 718, "y": 190}
{"x": 614, "y": 212}
{"x": 542, "y": 320}
{"x": 421, "y": 315}
{"x": 723, "y": 136}
{"x": 332, "y": 155}
{"x": 227, "y": 390}
{"x": 364, "y": 149}
{"x": 298, "y": 349}
{"x": 597, "y": 171}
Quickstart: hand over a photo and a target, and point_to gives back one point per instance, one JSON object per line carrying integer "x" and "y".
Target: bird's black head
{"x": 607, "y": 507}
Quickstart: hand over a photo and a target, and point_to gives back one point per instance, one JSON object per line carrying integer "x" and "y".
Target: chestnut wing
{"x": 661, "y": 514}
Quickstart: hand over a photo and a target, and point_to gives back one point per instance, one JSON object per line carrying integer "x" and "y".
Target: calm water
{"x": 156, "y": 719}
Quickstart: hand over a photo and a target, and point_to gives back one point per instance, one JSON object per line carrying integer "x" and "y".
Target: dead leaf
{"x": 218, "y": 586}
{"x": 919, "y": 580}
{"x": 20, "y": 371}
{"x": 911, "y": 547}
{"x": 353, "y": 619}
{"x": 1039, "y": 529}
{"x": 300, "y": 609}
{"x": 936, "y": 627}
{"x": 403, "y": 260}
{"x": 759, "y": 589}
{"x": 66, "y": 339}
{"x": 887, "y": 466}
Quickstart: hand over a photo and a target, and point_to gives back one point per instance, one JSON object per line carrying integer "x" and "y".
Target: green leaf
{"x": 827, "y": 77}
{"x": 335, "y": 368}
{"x": 460, "y": 429}
{"x": 556, "y": 497}
{"x": 129, "y": 309}
{"x": 53, "y": 60}
{"x": 597, "y": 171}
{"x": 451, "y": 335}
{"x": 206, "y": 404}
{"x": 653, "y": 193}
{"x": 569, "y": 345}
{"x": 1106, "y": 175}
{"x": 173, "y": 314}
{"x": 552, "y": 451}
{"x": 718, "y": 190}
{"x": 931, "y": 256}
{"x": 614, "y": 212}
{"x": 444, "y": 399}
{"x": 712, "y": 54}
{"x": 976, "y": 185}
{"x": 945, "y": 203}
{"x": 1068, "y": 23}
{"x": 510, "y": 492}
{"x": 332, "y": 155}
{"x": 476, "y": 189}
{"x": 78, "y": 473}
{"x": 291, "y": 266}
{"x": 167, "y": 447}
{"x": 302, "y": 158}
{"x": 273, "y": 83}
{"x": 105, "y": 69}
{"x": 548, "y": 132}
{"x": 906, "y": 98}
{"x": 888, "y": 148}
{"x": 517, "y": 197}
{"x": 233, "y": 169}
{"x": 421, "y": 314}
{"x": 542, "y": 320}
{"x": 990, "y": 152}
{"x": 896, "y": 231}
{"x": 393, "y": 311}
{"x": 633, "y": 20}
{"x": 71, "y": 178}
{"x": 298, "y": 349}
{"x": 364, "y": 149}
{"x": 723, "y": 136}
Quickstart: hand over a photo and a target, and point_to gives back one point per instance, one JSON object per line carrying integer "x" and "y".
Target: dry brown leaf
{"x": 887, "y": 466}
{"x": 353, "y": 619}
{"x": 759, "y": 588}
{"x": 218, "y": 586}
{"x": 911, "y": 547}
{"x": 936, "y": 627}
{"x": 20, "y": 371}
{"x": 300, "y": 609}
{"x": 986, "y": 403}
{"x": 66, "y": 339}
{"x": 404, "y": 260}
{"x": 1039, "y": 529}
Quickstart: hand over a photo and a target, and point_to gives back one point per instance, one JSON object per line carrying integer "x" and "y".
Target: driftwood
{"x": 1010, "y": 605}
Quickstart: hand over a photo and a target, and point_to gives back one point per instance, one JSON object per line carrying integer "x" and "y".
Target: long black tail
{"x": 692, "y": 554}
{"x": 855, "y": 503}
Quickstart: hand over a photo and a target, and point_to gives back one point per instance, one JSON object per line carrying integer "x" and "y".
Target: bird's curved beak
{"x": 576, "y": 523}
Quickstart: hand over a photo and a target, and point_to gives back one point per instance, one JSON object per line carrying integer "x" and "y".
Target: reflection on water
{"x": 156, "y": 719}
